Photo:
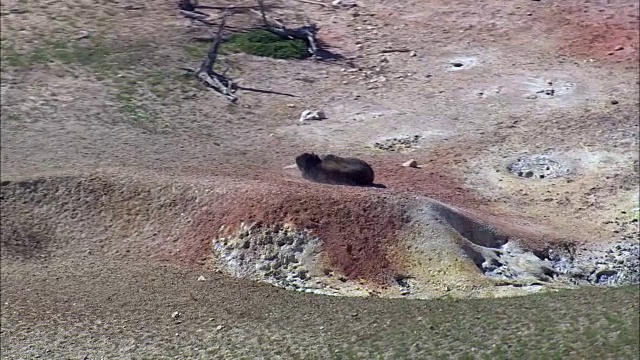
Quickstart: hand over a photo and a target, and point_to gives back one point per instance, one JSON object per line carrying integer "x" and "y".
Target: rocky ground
{"x": 123, "y": 182}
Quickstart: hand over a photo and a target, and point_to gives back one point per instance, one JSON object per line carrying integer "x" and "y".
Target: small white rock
{"x": 83, "y": 35}
{"x": 202, "y": 278}
{"x": 175, "y": 315}
{"x": 410, "y": 163}
{"x": 343, "y": 3}
{"x": 312, "y": 115}
{"x": 219, "y": 327}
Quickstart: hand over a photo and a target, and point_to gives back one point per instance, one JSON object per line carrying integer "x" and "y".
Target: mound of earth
{"x": 326, "y": 239}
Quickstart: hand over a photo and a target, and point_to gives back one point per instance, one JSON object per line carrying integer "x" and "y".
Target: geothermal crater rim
{"x": 538, "y": 167}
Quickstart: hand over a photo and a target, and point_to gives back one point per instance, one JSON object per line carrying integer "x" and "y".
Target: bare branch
{"x": 386, "y": 51}
{"x": 312, "y": 2}
{"x": 195, "y": 15}
{"x": 218, "y": 81}
{"x": 213, "y": 80}
{"x": 207, "y": 64}
{"x": 205, "y": 39}
{"x": 262, "y": 13}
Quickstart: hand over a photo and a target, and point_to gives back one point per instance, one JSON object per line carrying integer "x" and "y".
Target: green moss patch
{"x": 268, "y": 44}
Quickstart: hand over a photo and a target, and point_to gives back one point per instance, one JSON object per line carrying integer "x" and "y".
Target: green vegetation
{"x": 106, "y": 61}
{"x": 138, "y": 94}
{"x": 196, "y": 51}
{"x": 254, "y": 42}
{"x": 128, "y": 105}
{"x": 257, "y": 321}
{"x": 265, "y": 43}
{"x": 95, "y": 54}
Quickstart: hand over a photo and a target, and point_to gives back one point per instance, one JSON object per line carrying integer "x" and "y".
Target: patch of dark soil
{"x": 25, "y": 240}
{"x": 478, "y": 233}
{"x": 111, "y": 215}
{"x": 24, "y": 234}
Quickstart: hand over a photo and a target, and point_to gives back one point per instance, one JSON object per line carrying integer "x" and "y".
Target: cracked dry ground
{"x": 117, "y": 173}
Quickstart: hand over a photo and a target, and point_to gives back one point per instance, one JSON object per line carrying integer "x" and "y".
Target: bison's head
{"x": 307, "y": 161}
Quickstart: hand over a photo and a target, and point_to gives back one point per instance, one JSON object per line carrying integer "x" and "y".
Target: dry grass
{"x": 233, "y": 319}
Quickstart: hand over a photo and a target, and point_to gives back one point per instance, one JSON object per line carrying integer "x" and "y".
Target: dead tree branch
{"x": 218, "y": 81}
{"x": 387, "y": 51}
{"x": 306, "y": 33}
{"x": 212, "y": 55}
{"x": 203, "y": 18}
{"x": 192, "y": 6}
{"x": 312, "y": 2}
{"x": 211, "y": 78}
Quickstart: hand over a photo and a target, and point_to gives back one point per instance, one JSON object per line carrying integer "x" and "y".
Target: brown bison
{"x": 331, "y": 169}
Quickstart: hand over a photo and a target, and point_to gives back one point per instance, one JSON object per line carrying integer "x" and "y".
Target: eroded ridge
{"x": 350, "y": 241}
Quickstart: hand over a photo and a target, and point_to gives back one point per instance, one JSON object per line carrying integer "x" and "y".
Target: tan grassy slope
{"x": 104, "y": 309}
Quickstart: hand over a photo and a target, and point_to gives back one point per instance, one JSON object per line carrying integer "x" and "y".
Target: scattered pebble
{"x": 175, "y": 315}
{"x": 614, "y": 102}
{"x": 400, "y": 144}
{"x": 202, "y": 278}
{"x": 619, "y": 48}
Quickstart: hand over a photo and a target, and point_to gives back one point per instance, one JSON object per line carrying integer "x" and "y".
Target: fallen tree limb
{"x": 193, "y": 6}
{"x": 212, "y": 79}
{"x": 195, "y": 15}
{"x": 218, "y": 81}
{"x": 312, "y": 2}
{"x": 386, "y": 51}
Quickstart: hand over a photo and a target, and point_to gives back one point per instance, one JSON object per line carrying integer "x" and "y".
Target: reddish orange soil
{"x": 606, "y": 32}
{"x": 358, "y": 226}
